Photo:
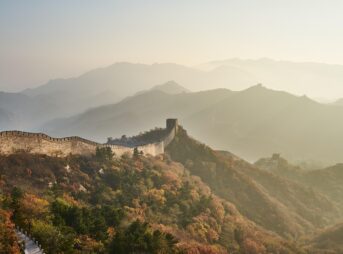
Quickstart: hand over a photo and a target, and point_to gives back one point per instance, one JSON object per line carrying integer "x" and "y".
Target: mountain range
{"x": 253, "y": 122}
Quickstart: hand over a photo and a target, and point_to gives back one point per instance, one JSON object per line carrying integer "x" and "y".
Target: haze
{"x": 43, "y": 40}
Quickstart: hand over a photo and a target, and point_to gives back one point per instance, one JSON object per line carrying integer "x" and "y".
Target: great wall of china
{"x": 39, "y": 143}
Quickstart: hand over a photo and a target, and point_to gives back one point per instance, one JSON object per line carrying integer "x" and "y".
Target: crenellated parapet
{"x": 40, "y": 143}
{"x": 44, "y": 136}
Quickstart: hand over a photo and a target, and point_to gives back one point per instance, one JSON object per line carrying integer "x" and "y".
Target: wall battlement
{"x": 40, "y": 143}
{"x": 44, "y": 136}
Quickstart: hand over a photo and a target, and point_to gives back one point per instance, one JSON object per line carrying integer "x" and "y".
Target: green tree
{"x": 16, "y": 196}
{"x": 139, "y": 238}
{"x": 54, "y": 240}
{"x": 135, "y": 152}
{"x": 104, "y": 154}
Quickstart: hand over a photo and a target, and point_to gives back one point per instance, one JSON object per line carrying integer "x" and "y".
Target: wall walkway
{"x": 30, "y": 246}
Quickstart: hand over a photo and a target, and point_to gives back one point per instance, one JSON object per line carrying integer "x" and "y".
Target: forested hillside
{"x": 328, "y": 181}
{"x": 190, "y": 200}
{"x": 125, "y": 205}
{"x": 292, "y": 209}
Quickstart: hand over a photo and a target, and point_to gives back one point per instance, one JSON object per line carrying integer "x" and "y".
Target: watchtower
{"x": 172, "y": 123}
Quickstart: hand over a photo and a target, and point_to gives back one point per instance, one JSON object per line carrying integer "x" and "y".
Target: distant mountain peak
{"x": 338, "y": 102}
{"x": 171, "y": 87}
{"x": 257, "y": 87}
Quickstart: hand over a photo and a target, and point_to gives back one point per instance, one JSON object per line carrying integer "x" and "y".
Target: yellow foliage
{"x": 111, "y": 232}
{"x": 156, "y": 195}
{"x": 35, "y": 206}
{"x": 71, "y": 201}
{"x": 89, "y": 245}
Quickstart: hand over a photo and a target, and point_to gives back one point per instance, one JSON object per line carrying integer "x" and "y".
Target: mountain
{"x": 124, "y": 79}
{"x": 259, "y": 121}
{"x": 5, "y": 119}
{"x": 129, "y": 116}
{"x": 120, "y": 80}
{"x": 295, "y": 77}
{"x": 67, "y": 97}
{"x": 328, "y": 181}
{"x": 292, "y": 209}
{"x": 170, "y": 87}
{"x": 19, "y": 111}
{"x": 338, "y": 102}
{"x": 328, "y": 241}
{"x": 281, "y": 167}
{"x": 109, "y": 85}
{"x": 253, "y": 123}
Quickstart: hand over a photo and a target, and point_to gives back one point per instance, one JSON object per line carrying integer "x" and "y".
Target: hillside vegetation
{"x": 328, "y": 181}
{"x": 191, "y": 200}
{"x": 292, "y": 209}
{"x": 328, "y": 241}
{"x": 125, "y": 205}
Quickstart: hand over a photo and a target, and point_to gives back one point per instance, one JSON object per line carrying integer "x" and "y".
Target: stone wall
{"x": 39, "y": 143}
{"x": 13, "y": 141}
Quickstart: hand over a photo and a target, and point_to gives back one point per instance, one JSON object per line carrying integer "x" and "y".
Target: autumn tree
{"x": 139, "y": 238}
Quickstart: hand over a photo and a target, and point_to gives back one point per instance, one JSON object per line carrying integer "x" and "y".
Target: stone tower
{"x": 172, "y": 123}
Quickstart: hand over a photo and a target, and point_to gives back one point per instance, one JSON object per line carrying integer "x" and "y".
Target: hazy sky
{"x": 44, "y": 39}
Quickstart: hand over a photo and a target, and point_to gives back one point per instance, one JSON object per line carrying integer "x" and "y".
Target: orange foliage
{"x": 197, "y": 248}
{"x": 71, "y": 201}
{"x": 35, "y": 206}
{"x": 8, "y": 239}
{"x": 156, "y": 196}
{"x": 89, "y": 245}
{"x": 253, "y": 247}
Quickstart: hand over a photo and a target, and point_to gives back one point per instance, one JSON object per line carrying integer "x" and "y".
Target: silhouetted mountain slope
{"x": 338, "y": 102}
{"x": 281, "y": 167}
{"x": 24, "y": 112}
{"x": 66, "y": 97}
{"x": 253, "y": 123}
{"x": 113, "y": 83}
{"x": 328, "y": 181}
{"x": 109, "y": 85}
{"x": 259, "y": 121}
{"x": 135, "y": 113}
{"x": 273, "y": 202}
{"x": 124, "y": 79}
{"x": 295, "y": 77}
{"x": 328, "y": 241}
{"x": 170, "y": 87}
{"x": 5, "y": 119}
